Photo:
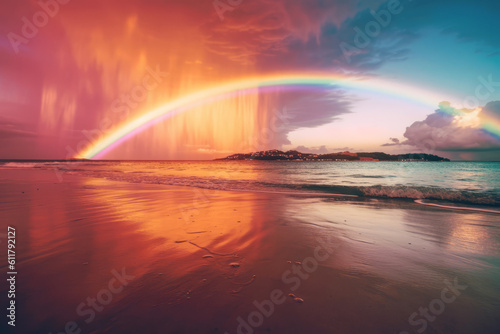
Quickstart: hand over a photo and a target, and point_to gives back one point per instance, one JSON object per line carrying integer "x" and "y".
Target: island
{"x": 340, "y": 156}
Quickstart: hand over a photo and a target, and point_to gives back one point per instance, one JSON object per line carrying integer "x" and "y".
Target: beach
{"x": 103, "y": 256}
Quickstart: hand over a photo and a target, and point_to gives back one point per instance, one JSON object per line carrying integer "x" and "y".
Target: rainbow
{"x": 252, "y": 85}
{"x": 491, "y": 124}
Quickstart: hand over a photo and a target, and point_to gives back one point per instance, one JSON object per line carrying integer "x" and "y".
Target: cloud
{"x": 342, "y": 149}
{"x": 11, "y": 129}
{"x": 303, "y": 34}
{"x": 451, "y": 129}
{"x": 322, "y": 149}
{"x": 394, "y": 140}
{"x": 393, "y": 144}
{"x": 492, "y": 109}
{"x": 315, "y": 150}
{"x": 310, "y": 109}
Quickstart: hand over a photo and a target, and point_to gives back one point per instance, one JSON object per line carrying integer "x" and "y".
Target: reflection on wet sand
{"x": 222, "y": 226}
{"x": 77, "y": 232}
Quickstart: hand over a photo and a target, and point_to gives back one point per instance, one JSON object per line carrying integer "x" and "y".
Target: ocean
{"x": 439, "y": 183}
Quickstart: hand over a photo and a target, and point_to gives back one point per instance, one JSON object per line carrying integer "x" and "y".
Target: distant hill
{"x": 341, "y": 156}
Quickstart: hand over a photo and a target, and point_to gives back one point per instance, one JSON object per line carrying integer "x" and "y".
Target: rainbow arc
{"x": 252, "y": 85}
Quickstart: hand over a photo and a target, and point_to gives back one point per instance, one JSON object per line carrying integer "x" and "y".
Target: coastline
{"x": 202, "y": 258}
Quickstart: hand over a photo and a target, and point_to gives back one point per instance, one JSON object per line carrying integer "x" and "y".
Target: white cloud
{"x": 451, "y": 129}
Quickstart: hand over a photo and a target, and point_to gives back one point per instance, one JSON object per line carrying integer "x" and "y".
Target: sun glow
{"x": 469, "y": 120}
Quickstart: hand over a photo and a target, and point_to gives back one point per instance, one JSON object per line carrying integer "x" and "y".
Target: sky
{"x": 74, "y": 72}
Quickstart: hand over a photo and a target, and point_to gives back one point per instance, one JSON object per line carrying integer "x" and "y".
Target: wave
{"x": 406, "y": 192}
{"x": 454, "y": 207}
{"x": 413, "y": 193}
{"x": 19, "y": 165}
{"x": 362, "y": 176}
{"x": 391, "y": 192}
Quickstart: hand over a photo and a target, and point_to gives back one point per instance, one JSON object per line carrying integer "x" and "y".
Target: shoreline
{"x": 201, "y": 265}
{"x": 441, "y": 203}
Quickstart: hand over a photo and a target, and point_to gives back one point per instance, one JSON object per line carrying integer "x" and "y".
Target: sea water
{"x": 475, "y": 183}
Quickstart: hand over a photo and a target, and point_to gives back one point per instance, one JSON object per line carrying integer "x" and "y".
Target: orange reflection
{"x": 188, "y": 227}
{"x": 78, "y": 231}
{"x": 472, "y": 237}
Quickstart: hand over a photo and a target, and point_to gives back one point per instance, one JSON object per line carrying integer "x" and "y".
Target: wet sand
{"x": 99, "y": 256}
